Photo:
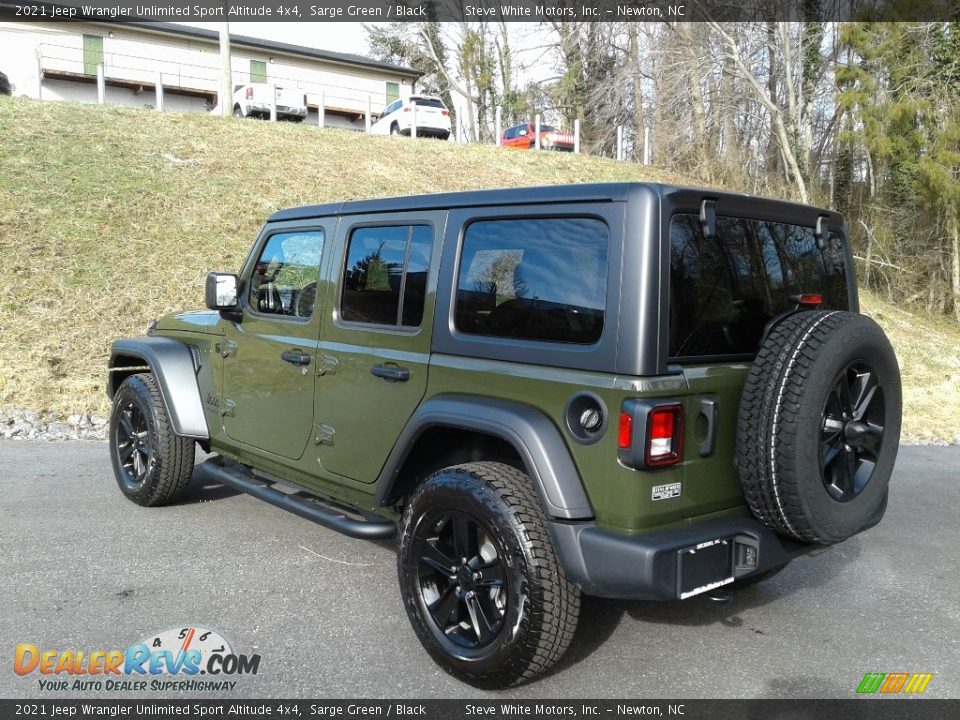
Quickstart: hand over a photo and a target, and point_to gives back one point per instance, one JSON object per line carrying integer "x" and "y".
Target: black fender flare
{"x": 174, "y": 367}
{"x": 536, "y": 439}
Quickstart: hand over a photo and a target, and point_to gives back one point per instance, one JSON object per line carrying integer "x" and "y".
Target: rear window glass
{"x": 534, "y": 279}
{"x": 427, "y": 102}
{"x": 725, "y": 290}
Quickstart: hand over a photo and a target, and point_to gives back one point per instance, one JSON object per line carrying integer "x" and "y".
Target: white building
{"x": 58, "y": 61}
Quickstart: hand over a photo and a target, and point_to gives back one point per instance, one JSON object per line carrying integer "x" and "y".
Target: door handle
{"x": 708, "y": 408}
{"x": 391, "y": 373}
{"x": 295, "y": 357}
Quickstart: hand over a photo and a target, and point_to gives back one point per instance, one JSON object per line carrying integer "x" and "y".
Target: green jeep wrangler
{"x": 623, "y": 390}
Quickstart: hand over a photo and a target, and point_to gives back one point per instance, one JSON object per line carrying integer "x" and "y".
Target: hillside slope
{"x": 109, "y": 217}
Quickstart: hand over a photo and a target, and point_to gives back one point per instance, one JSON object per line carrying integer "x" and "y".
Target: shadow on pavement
{"x": 204, "y": 490}
{"x": 600, "y": 617}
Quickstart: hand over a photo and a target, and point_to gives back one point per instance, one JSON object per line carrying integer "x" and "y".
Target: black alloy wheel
{"x": 851, "y": 432}
{"x": 462, "y": 579}
{"x": 133, "y": 445}
{"x": 479, "y": 577}
{"x": 152, "y": 464}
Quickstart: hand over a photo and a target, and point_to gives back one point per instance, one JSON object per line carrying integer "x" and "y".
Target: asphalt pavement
{"x": 85, "y": 569}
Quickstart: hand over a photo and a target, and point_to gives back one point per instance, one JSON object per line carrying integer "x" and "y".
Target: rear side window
{"x": 533, "y": 279}
{"x": 725, "y": 290}
{"x": 385, "y": 278}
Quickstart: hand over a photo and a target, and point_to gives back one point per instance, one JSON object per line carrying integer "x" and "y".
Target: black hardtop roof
{"x": 572, "y": 193}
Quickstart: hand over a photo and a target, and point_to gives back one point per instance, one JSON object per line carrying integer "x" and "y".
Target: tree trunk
{"x": 691, "y": 70}
{"x": 639, "y": 120}
{"x": 728, "y": 106}
{"x": 953, "y": 228}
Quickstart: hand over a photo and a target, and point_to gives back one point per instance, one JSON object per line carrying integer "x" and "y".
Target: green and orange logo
{"x": 892, "y": 683}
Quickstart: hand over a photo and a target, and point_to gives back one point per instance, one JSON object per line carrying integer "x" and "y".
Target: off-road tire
{"x": 541, "y": 606}
{"x": 783, "y": 425}
{"x": 167, "y": 459}
{"x": 394, "y": 129}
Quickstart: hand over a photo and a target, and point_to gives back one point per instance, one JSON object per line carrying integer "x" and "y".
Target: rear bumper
{"x": 669, "y": 564}
{"x": 428, "y": 131}
{"x": 281, "y": 109}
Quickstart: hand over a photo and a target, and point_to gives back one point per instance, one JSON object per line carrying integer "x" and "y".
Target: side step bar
{"x": 302, "y": 504}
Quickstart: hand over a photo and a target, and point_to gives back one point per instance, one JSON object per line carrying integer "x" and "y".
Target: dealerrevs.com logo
{"x": 176, "y": 659}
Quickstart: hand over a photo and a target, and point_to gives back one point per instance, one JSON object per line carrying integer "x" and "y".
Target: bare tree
{"x": 767, "y": 96}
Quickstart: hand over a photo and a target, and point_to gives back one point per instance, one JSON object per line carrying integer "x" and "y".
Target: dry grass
{"x": 109, "y": 217}
{"x": 928, "y": 350}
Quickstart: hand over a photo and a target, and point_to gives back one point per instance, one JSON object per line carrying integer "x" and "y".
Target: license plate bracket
{"x": 704, "y": 567}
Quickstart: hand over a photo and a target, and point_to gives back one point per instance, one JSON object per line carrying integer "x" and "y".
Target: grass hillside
{"x": 109, "y": 217}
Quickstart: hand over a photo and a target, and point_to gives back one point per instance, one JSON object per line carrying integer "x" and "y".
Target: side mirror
{"x": 221, "y": 291}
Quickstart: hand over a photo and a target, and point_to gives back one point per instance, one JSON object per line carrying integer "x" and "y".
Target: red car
{"x": 523, "y": 137}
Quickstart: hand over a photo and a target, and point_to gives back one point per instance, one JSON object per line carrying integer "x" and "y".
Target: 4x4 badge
{"x": 665, "y": 492}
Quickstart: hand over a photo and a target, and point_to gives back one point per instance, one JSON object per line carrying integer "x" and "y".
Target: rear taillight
{"x": 407, "y": 109}
{"x": 650, "y": 433}
{"x": 445, "y": 113}
{"x": 249, "y": 94}
{"x": 664, "y": 436}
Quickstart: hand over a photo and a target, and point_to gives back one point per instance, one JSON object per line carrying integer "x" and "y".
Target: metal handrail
{"x": 177, "y": 74}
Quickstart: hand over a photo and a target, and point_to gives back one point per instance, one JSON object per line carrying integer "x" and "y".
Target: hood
{"x": 198, "y": 321}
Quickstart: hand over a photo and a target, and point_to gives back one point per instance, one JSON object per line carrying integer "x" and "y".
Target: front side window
{"x": 534, "y": 279}
{"x": 284, "y": 280}
{"x": 385, "y": 278}
{"x": 724, "y": 290}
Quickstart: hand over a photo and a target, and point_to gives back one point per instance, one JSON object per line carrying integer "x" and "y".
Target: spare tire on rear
{"x": 819, "y": 425}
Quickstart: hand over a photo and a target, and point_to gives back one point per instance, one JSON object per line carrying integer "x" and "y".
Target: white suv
{"x": 254, "y": 100}
{"x": 433, "y": 118}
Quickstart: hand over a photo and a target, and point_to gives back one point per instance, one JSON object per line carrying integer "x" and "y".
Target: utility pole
{"x": 226, "y": 78}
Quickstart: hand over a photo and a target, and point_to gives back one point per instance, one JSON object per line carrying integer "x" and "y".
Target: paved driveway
{"x": 84, "y": 569}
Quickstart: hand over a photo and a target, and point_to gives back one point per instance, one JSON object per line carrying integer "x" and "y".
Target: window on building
{"x": 258, "y": 71}
{"x": 92, "y": 53}
{"x": 385, "y": 278}
{"x": 284, "y": 280}
{"x": 393, "y": 92}
{"x": 724, "y": 290}
{"x": 534, "y": 279}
